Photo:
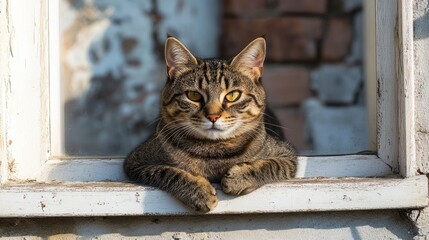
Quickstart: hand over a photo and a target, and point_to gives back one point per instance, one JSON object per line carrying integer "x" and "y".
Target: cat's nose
{"x": 213, "y": 117}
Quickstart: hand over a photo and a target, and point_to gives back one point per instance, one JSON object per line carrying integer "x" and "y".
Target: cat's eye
{"x": 233, "y": 96}
{"x": 194, "y": 96}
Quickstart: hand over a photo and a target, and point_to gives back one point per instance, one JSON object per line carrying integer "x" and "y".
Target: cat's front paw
{"x": 239, "y": 180}
{"x": 203, "y": 197}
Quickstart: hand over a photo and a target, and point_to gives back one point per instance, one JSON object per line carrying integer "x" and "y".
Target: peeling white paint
{"x": 124, "y": 199}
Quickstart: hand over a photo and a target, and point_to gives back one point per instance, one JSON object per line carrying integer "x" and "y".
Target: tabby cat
{"x": 211, "y": 130}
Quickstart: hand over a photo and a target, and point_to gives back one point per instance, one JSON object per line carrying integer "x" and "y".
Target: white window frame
{"x": 35, "y": 182}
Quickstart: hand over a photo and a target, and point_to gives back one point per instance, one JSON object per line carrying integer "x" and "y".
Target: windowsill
{"x": 99, "y": 170}
{"x": 126, "y": 199}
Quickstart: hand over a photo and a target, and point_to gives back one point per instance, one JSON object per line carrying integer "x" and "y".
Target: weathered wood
{"x": 342, "y": 166}
{"x": 111, "y": 169}
{"x": 387, "y": 93}
{"x": 405, "y": 72}
{"x": 56, "y": 111}
{"x": 370, "y": 63}
{"x": 121, "y": 199}
{"x": 5, "y": 52}
{"x": 25, "y": 113}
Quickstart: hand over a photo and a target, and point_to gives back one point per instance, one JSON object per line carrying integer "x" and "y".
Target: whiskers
{"x": 254, "y": 130}
{"x": 272, "y": 124}
{"x": 247, "y": 128}
{"x": 176, "y": 134}
{"x": 273, "y": 132}
{"x": 154, "y": 121}
{"x": 177, "y": 130}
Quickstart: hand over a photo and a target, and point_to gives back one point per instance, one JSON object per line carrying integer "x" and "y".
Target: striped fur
{"x": 188, "y": 151}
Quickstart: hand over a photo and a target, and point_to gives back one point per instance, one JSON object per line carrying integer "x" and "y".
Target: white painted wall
{"x": 421, "y": 74}
{"x": 329, "y": 225}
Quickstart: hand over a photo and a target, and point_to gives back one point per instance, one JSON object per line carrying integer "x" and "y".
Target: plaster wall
{"x": 421, "y": 75}
{"x": 328, "y": 225}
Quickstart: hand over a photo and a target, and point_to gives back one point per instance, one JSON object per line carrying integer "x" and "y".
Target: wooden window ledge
{"x": 127, "y": 199}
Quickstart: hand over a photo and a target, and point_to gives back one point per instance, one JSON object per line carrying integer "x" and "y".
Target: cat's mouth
{"x": 215, "y": 131}
{"x": 214, "y": 128}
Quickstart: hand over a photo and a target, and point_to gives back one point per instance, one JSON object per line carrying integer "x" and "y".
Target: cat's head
{"x": 213, "y": 99}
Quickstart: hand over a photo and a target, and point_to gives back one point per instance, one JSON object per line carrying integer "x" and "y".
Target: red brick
{"x": 303, "y": 6}
{"x": 288, "y": 38}
{"x": 337, "y": 42}
{"x": 293, "y": 124}
{"x": 286, "y": 85}
{"x": 297, "y": 26}
{"x": 237, "y": 33}
{"x": 243, "y": 6}
{"x": 293, "y": 38}
{"x": 128, "y": 44}
{"x": 281, "y": 49}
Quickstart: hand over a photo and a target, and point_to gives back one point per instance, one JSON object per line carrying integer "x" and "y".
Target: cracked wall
{"x": 421, "y": 74}
{"x": 421, "y": 78}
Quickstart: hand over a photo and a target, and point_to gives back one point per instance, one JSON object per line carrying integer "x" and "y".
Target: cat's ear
{"x": 250, "y": 61}
{"x": 177, "y": 58}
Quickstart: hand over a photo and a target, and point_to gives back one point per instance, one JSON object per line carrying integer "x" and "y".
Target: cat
{"x": 211, "y": 129}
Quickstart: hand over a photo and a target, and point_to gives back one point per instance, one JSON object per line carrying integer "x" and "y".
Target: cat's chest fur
{"x": 213, "y": 159}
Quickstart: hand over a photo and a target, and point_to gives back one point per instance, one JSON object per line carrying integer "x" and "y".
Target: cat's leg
{"x": 246, "y": 177}
{"x": 194, "y": 191}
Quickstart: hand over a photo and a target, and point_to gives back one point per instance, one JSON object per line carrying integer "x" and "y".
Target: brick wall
{"x": 112, "y": 65}
{"x": 303, "y": 37}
